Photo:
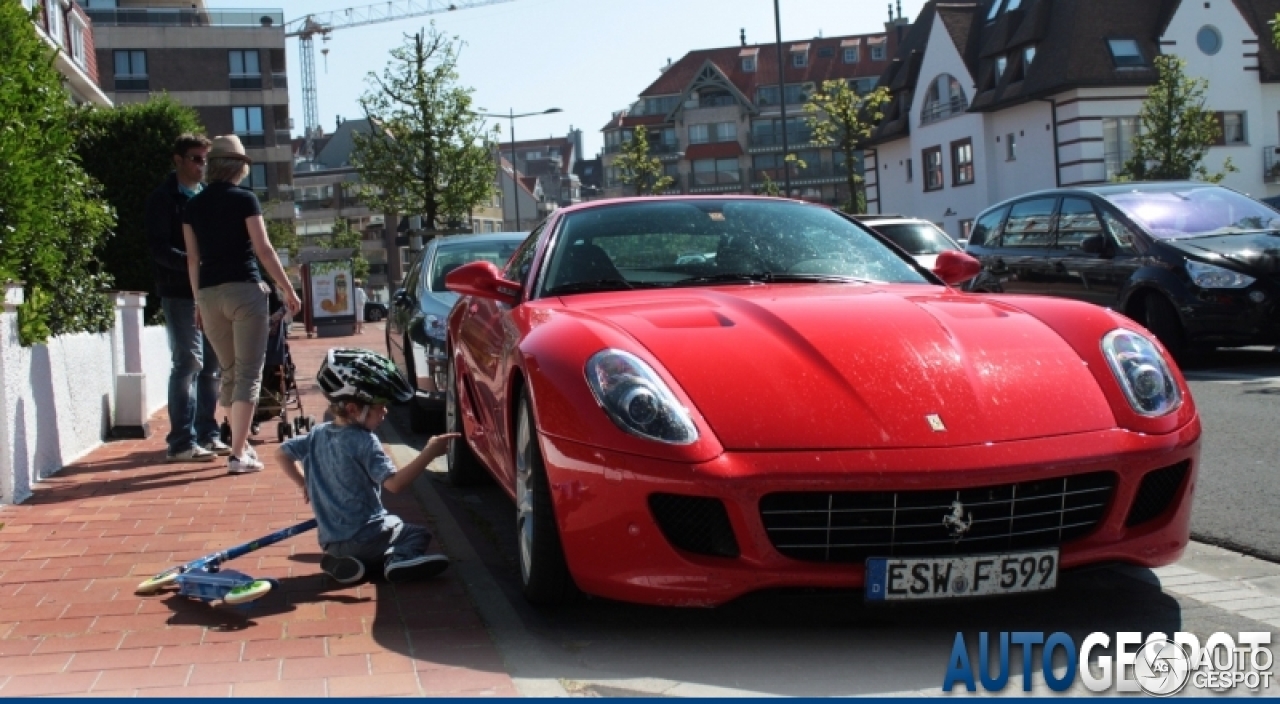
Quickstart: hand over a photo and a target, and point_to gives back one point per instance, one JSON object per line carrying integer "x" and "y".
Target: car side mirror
{"x": 418, "y": 331}
{"x": 955, "y": 267}
{"x": 1094, "y": 244}
{"x": 482, "y": 279}
{"x": 400, "y": 297}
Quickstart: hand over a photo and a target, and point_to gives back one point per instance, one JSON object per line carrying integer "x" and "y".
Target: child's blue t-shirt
{"x": 345, "y": 466}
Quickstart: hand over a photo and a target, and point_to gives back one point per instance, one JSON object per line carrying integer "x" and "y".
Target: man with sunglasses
{"x": 194, "y": 376}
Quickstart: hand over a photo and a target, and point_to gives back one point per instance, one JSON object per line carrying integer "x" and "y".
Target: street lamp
{"x": 782, "y": 100}
{"x": 515, "y": 181}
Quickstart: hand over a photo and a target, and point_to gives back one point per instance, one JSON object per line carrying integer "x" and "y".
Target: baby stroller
{"x": 279, "y": 394}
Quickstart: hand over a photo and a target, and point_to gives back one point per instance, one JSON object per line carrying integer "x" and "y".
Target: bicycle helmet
{"x": 362, "y": 376}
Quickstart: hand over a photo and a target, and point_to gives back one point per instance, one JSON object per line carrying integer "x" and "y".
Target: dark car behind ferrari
{"x": 1197, "y": 263}
{"x": 415, "y": 321}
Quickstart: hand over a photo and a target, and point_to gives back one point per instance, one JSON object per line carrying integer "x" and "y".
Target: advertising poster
{"x": 332, "y": 295}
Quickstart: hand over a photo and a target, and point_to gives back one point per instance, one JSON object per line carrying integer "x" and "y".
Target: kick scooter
{"x": 204, "y": 578}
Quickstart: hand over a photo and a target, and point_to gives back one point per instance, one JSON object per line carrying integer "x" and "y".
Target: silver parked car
{"x": 416, "y": 319}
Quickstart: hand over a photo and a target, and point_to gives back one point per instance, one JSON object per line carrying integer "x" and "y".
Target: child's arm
{"x": 404, "y": 478}
{"x": 290, "y": 467}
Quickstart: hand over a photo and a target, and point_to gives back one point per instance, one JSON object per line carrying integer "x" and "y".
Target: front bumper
{"x": 615, "y": 547}
{"x": 1234, "y": 317}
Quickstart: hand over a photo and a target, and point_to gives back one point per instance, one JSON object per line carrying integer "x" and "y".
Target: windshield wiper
{"x": 587, "y": 286}
{"x": 766, "y": 277}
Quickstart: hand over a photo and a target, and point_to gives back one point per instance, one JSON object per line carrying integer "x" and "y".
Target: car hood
{"x": 1252, "y": 252}
{"x": 855, "y": 367}
{"x": 439, "y": 302}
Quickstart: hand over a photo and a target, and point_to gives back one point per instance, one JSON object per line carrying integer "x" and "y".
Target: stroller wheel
{"x": 282, "y": 431}
{"x": 311, "y": 422}
{"x": 225, "y": 431}
{"x": 253, "y": 429}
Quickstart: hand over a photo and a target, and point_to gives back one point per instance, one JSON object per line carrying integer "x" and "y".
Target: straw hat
{"x": 228, "y": 146}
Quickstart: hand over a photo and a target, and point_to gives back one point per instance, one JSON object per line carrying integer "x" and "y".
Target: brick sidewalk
{"x": 71, "y": 556}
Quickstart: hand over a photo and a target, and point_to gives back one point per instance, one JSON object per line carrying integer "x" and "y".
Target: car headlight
{"x": 1210, "y": 276}
{"x": 636, "y": 399}
{"x": 1142, "y": 373}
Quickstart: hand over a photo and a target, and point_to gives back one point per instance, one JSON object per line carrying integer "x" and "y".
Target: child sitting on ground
{"x": 345, "y": 469}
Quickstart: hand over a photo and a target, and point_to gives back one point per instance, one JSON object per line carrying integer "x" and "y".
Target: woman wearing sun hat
{"x": 226, "y": 237}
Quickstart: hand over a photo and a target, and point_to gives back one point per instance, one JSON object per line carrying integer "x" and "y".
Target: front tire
{"x": 1161, "y": 318}
{"x": 543, "y": 572}
{"x": 465, "y": 468}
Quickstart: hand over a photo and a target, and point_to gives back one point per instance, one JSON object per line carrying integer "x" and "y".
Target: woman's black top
{"x": 217, "y": 216}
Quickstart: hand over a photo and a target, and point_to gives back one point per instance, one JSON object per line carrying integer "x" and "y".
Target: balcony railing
{"x": 1271, "y": 164}
{"x": 321, "y": 204}
{"x": 774, "y": 139}
{"x": 715, "y": 181}
{"x": 822, "y": 171}
{"x": 132, "y": 83}
{"x": 255, "y": 139}
{"x": 283, "y": 137}
{"x": 246, "y": 82}
{"x": 174, "y": 17}
{"x": 943, "y": 109}
{"x": 717, "y": 101}
{"x": 279, "y": 80}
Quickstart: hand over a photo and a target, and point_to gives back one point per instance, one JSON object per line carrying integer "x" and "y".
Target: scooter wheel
{"x": 156, "y": 583}
{"x": 246, "y": 593}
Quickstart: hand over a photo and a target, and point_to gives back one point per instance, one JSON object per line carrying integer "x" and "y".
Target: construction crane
{"x": 323, "y": 23}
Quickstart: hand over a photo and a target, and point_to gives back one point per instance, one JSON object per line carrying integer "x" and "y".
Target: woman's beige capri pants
{"x": 235, "y": 316}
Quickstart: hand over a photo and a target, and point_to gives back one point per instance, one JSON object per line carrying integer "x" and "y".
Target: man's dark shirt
{"x": 163, "y": 217}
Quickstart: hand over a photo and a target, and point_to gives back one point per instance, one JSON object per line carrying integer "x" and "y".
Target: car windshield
{"x": 672, "y": 243}
{"x": 1195, "y": 211}
{"x": 452, "y": 254}
{"x": 917, "y": 237}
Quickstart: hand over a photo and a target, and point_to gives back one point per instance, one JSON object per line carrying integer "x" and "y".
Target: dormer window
{"x": 1028, "y": 55}
{"x": 877, "y": 48}
{"x": 800, "y": 55}
{"x": 995, "y": 10}
{"x": 748, "y": 59}
{"x": 849, "y": 48}
{"x": 1011, "y": 5}
{"x": 1001, "y": 64}
{"x": 1126, "y": 54}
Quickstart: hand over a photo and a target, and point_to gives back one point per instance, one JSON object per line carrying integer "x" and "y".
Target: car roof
{"x": 483, "y": 237}
{"x": 1108, "y": 189}
{"x": 606, "y": 202}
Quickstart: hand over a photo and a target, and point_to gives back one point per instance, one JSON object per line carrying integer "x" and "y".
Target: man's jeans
{"x": 193, "y": 379}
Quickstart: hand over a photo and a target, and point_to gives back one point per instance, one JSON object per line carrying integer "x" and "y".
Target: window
{"x": 1011, "y": 147}
{"x": 826, "y": 52}
{"x": 768, "y": 132}
{"x": 709, "y": 172}
{"x": 932, "y": 160}
{"x": 1012, "y": 5}
{"x": 988, "y": 227}
{"x": 945, "y": 98}
{"x": 1117, "y": 143}
{"x": 851, "y": 55}
{"x": 247, "y": 124}
{"x": 877, "y": 52}
{"x": 1028, "y": 55}
{"x": 1029, "y": 223}
{"x": 767, "y": 95}
{"x": 520, "y": 263}
{"x": 699, "y": 134}
{"x": 1126, "y": 54}
{"x": 1231, "y": 128}
{"x": 800, "y": 59}
{"x": 1002, "y": 62}
{"x": 862, "y": 86}
{"x": 131, "y": 70}
{"x": 1077, "y": 221}
{"x": 245, "y": 73}
{"x": 77, "y": 39}
{"x": 1120, "y": 233}
{"x": 749, "y": 64}
{"x": 910, "y": 171}
{"x": 962, "y": 162}
{"x": 966, "y": 228}
{"x": 660, "y": 106}
{"x": 995, "y": 10}
{"x": 798, "y": 93}
{"x": 53, "y": 11}
{"x": 1209, "y": 39}
{"x": 256, "y": 181}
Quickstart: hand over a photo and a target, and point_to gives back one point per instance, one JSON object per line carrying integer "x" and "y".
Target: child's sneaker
{"x": 344, "y": 570}
{"x": 420, "y": 567}
{"x": 244, "y": 465}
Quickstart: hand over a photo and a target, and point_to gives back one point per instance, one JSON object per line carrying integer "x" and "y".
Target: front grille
{"x": 697, "y": 524}
{"x": 850, "y": 526}
{"x": 1156, "y": 492}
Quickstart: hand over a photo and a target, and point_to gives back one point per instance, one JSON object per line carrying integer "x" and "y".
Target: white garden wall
{"x": 57, "y": 400}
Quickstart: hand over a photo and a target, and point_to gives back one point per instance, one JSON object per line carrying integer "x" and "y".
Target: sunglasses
{"x": 195, "y": 158}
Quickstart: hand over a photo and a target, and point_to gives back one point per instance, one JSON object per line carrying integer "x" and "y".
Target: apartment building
{"x": 67, "y": 28}
{"x": 227, "y": 64}
{"x": 554, "y": 162}
{"x": 715, "y": 117}
{"x": 996, "y": 98}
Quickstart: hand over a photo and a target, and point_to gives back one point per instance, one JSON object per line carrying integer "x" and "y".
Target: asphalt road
{"x": 1237, "y": 504}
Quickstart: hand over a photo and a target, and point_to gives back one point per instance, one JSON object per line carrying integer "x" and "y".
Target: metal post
{"x": 515, "y": 172}
{"x": 782, "y": 101}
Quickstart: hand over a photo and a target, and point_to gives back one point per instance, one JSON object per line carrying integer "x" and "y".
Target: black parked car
{"x": 374, "y": 311}
{"x": 416, "y": 320}
{"x": 1198, "y": 264}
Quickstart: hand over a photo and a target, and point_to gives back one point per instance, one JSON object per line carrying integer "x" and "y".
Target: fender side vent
{"x": 1157, "y": 491}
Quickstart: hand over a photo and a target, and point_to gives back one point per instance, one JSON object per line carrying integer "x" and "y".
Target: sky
{"x": 589, "y": 58}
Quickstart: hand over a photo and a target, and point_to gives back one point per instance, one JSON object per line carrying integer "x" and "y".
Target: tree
{"x": 282, "y": 234}
{"x": 428, "y": 152}
{"x": 53, "y": 222}
{"x": 637, "y": 168}
{"x": 346, "y": 237}
{"x": 769, "y": 188}
{"x": 144, "y": 132}
{"x": 843, "y": 118}
{"x": 1175, "y": 130}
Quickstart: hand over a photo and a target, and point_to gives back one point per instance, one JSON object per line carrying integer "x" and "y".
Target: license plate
{"x": 892, "y": 578}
